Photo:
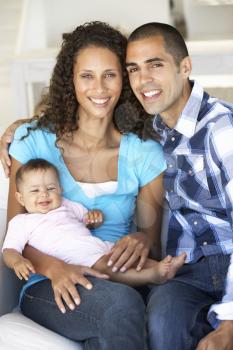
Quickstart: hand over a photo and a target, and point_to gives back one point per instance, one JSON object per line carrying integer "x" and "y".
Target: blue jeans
{"x": 110, "y": 316}
{"x": 177, "y": 310}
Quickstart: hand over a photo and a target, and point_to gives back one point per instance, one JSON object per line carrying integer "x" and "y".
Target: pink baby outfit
{"x": 60, "y": 233}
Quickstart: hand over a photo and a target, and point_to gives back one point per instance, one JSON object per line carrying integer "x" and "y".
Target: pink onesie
{"x": 60, "y": 233}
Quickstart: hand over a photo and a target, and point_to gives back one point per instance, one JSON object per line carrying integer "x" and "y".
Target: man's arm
{"x": 221, "y": 338}
{"x": 221, "y": 147}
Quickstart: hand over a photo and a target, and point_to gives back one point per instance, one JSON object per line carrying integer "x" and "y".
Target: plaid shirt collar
{"x": 187, "y": 121}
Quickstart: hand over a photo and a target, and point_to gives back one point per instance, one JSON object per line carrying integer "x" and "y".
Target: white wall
{"x": 46, "y": 20}
{"x": 208, "y": 21}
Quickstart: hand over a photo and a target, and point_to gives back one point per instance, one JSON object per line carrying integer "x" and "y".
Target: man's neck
{"x": 170, "y": 117}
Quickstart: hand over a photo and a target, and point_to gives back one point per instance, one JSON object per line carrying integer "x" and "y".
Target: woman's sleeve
{"x": 151, "y": 162}
{"x": 23, "y": 149}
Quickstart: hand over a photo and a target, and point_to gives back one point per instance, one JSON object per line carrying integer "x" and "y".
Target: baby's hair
{"x": 34, "y": 165}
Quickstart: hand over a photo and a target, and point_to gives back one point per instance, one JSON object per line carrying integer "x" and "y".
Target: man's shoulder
{"x": 214, "y": 109}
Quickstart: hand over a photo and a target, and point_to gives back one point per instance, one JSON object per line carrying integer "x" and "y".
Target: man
{"x": 196, "y": 132}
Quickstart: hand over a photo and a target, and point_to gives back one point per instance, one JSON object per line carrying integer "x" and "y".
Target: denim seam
{"x": 82, "y": 315}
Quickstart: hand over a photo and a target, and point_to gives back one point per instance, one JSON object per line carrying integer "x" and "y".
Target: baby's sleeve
{"x": 78, "y": 209}
{"x": 17, "y": 235}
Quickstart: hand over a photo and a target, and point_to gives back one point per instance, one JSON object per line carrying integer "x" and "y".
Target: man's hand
{"x": 65, "y": 277}
{"x": 5, "y": 141}
{"x": 128, "y": 250}
{"x": 220, "y": 339}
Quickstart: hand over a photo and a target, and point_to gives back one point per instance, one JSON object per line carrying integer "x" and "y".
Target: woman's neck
{"x": 94, "y": 134}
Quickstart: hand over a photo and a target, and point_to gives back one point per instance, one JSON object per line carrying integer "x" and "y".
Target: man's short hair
{"x": 34, "y": 165}
{"x": 174, "y": 43}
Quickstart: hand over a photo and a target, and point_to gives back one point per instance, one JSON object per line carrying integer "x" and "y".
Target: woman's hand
{"x": 5, "y": 141}
{"x": 128, "y": 250}
{"x": 64, "y": 277}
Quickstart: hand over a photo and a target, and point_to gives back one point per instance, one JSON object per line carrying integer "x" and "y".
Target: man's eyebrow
{"x": 155, "y": 59}
{"x": 149, "y": 60}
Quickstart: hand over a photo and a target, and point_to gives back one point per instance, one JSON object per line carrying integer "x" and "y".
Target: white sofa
{"x": 17, "y": 332}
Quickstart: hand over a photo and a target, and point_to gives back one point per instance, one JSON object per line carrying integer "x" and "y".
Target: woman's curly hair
{"x": 60, "y": 111}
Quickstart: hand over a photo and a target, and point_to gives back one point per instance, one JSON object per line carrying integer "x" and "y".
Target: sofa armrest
{"x": 10, "y": 284}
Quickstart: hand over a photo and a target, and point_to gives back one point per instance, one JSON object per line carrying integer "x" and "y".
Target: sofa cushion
{"x": 17, "y": 332}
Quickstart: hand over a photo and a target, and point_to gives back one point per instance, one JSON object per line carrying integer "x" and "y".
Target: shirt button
{"x": 195, "y": 223}
{"x": 173, "y": 138}
{"x": 171, "y": 190}
{"x": 190, "y": 172}
{"x": 170, "y": 166}
{"x": 205, "y": 243}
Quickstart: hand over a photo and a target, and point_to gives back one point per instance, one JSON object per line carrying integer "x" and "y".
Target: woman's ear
{"x": 19, "y": 198}
{"x": 186, "y": 67}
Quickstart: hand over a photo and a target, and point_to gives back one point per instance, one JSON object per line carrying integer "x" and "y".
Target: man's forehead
{"x": 144, "y": 49}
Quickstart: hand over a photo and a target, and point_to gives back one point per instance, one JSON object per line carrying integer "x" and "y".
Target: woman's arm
{"x": 136, "y": 247}
{"x": 63, "y": 276}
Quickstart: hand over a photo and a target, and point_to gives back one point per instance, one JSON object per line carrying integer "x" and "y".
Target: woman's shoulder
{"x": 138, "y": 144}
{"x": 31, "y": 130}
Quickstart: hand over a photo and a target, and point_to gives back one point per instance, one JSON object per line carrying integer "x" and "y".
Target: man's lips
{"x": 151, "y": 94}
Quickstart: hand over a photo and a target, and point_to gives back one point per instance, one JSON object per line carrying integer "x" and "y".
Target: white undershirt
{"x": 93, "y": 190}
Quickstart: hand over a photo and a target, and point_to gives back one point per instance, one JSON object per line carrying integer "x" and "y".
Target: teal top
{"x": 139, "y": 162}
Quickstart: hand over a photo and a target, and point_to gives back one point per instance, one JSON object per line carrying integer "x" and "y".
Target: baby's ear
{"x": 19, "y": 198}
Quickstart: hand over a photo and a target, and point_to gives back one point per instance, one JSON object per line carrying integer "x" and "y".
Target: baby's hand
{"x": 23, "y": 267}
{"x": 94, "y": 218}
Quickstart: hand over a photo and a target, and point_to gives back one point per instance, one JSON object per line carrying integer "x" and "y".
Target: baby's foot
{"x": 167, "y": 268}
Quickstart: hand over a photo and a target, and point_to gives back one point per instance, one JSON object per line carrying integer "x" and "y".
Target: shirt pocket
{"x": 193, "y": 178}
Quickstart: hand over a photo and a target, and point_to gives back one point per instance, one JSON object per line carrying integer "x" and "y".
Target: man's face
{"x": 156, "y": 80}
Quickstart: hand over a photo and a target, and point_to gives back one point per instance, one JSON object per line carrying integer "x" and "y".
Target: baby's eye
{"x": 51, "y": 188}
{"x": 36, "y": 190}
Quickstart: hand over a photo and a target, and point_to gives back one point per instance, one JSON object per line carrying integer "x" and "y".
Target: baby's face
{"x": 40, "y": 191}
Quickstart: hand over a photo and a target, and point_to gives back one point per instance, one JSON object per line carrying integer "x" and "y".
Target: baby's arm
{"x": 14, "y": 260}
{"x": 94, "y": 218}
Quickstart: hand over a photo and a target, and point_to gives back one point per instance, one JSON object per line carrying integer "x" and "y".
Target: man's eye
{"x": 132, "y": 70}
{"x": 156, "y": 65}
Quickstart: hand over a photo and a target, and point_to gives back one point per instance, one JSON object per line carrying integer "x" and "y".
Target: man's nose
{"x": 145, "y": 76}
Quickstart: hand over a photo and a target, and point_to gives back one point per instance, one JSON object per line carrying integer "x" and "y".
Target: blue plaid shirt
{"x": 199, "y": 177}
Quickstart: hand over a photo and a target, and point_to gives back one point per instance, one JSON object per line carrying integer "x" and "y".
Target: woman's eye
{"x": 110, "y": 75}
{"x": 86, "y": 76}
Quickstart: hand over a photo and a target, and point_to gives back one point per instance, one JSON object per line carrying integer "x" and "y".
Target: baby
{"x": 58, "y": 227}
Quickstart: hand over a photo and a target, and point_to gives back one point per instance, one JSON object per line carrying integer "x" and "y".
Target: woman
{"x": 86, "y": 131}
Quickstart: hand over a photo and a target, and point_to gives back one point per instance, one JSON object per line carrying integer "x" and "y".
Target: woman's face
{"x": 97, "y": 82}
